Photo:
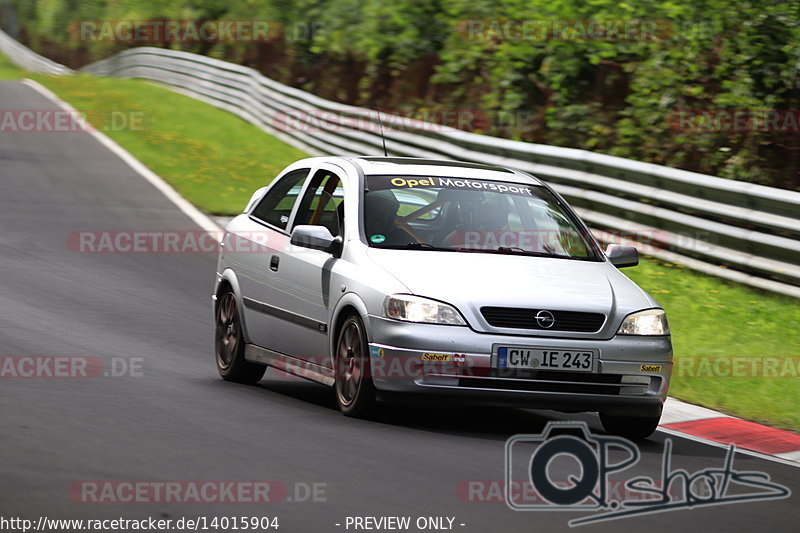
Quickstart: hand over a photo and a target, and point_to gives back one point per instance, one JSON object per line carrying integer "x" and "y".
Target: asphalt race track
{"x": 176, "y": 420}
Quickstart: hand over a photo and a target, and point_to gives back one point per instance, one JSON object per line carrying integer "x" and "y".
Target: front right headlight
{"x": 647, "y": 322}
{"x": 409, "y": 308}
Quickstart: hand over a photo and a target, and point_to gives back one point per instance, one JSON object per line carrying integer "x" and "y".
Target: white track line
{"x": 200, "y": 218}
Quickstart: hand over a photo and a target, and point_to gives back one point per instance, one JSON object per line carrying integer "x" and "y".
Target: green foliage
{"x": 614, "y": 96}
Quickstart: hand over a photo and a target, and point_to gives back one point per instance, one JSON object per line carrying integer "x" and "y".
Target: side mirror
{"x": 622, "y": 256}
{"x": 316, "y": 238}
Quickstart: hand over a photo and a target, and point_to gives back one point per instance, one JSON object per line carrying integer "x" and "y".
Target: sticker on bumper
{"x": 437, "y": 357}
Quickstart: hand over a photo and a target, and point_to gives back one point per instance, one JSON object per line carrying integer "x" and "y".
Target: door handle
{"x": 273, "y": 263}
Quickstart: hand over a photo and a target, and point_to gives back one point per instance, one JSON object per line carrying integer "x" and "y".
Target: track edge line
{"x": 196, "y": 215}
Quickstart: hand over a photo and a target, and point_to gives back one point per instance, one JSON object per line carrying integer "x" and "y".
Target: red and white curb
{"x": 682, "y": 419}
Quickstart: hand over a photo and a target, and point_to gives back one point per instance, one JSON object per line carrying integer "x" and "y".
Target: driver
{"x": 380, "y": 211}
{"x": 485, "y": 225}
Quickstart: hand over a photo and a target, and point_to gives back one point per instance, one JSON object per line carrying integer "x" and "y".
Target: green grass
{"x": 9, "y": 71}
{"x": 216, "y": 161}
{"x": 213, "y": 158}
{"x": 710, "y": 317}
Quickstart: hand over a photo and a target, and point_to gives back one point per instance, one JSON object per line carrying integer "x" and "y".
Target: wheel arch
{"x": 349, "y": 304}
{"x": 228, "y": 281}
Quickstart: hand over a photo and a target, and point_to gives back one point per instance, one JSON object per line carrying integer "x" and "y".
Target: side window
{"x": 323, "y": 203}
{"x": 276, "y": 206}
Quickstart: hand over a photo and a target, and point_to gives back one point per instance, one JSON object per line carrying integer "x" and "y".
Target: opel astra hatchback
{"x": 393, "y": 279}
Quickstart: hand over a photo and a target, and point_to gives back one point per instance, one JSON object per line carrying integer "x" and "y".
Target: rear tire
{"x": 229, "y": 344}
{"x": 355, "y": 392}
{"x": 630, "y": 427}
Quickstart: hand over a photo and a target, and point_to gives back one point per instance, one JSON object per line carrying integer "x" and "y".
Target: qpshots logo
{"x": 571, "y": 469}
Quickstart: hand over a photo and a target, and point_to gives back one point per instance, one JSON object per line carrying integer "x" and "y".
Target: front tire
{"x": 355, "y": 392}
{"x": 630, "y": 427}
{"x": 229, "y": 344}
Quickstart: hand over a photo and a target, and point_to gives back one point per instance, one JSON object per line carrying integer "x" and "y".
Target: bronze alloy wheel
{"x": 355, "y": 392}
{"x": 227, "y": 331}
{"x": 229, "y": 344}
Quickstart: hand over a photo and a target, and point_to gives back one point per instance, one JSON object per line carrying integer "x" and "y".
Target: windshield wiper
{"x": 507, "y": 250}
{"x": 513, "y": 250}
{"x": 416, "y": 246}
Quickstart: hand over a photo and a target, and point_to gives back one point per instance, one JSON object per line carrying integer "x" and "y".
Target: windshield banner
{"x": 378, "y": 183}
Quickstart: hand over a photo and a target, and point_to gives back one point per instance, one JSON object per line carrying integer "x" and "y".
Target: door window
{"x": 323, "y": 203}
{"x": 276, "y": 206}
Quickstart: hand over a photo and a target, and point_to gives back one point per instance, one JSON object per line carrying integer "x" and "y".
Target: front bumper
{"x": 630, "y": 376}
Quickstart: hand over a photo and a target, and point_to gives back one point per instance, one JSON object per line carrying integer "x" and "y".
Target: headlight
{"x": 415, "y": 309}
{"x": 649, "y": 322}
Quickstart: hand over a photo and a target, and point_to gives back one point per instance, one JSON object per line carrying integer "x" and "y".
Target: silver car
{"x": 400, "y": 279}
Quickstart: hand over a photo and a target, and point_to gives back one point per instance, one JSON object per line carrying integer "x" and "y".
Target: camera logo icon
{"x": 565, "y": 468}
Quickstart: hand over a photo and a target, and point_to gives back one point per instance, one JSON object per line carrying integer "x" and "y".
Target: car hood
{"x": 473, "y": 280}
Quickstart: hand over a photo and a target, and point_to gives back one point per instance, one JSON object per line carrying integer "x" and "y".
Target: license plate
{"x": 545, "y": 359}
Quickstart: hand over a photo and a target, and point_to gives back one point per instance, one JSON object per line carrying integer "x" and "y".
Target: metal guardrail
{"x": 752, "y": 231}
{"x": 26, "y": 58}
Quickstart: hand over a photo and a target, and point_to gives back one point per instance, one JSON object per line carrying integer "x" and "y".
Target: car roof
{"x": 412, "y": 166}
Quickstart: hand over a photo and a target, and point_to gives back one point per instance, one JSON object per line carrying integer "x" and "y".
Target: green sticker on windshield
{"x": 377, "y": 239}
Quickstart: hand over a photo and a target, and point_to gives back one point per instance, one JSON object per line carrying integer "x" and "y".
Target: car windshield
{"x": 470, "y": 215}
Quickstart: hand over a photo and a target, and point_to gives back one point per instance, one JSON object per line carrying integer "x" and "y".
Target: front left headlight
{"x": 648, "y": 322}
{"x": 417, "y": 309}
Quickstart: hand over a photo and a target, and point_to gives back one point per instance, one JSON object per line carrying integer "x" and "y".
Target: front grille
{"x": 522, "y": 318}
